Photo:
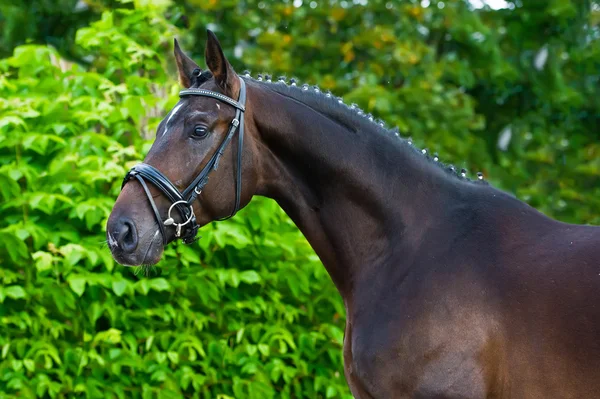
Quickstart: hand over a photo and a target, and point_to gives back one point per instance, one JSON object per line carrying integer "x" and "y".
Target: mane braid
{"x": 349, "y": 116}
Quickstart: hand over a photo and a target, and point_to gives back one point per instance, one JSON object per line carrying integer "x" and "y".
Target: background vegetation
{"x": 248, "y": 311}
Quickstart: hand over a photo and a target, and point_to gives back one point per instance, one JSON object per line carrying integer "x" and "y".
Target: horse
{"x": 452, "y": 288}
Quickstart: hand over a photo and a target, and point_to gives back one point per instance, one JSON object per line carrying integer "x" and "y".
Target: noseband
{"x": 183, "y": 200}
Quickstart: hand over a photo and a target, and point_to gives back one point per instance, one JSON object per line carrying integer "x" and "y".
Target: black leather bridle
{"x": 183, "y": 200}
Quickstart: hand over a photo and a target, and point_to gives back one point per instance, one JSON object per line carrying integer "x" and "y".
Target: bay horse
{"x": 452, "y": 288}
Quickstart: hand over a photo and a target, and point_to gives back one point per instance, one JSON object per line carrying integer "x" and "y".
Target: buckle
{"x": 235, "y": 122}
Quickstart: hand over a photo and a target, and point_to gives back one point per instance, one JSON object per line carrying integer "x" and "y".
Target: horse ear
{"x": 222, "y": 71}
{"x": 185, "y": 66}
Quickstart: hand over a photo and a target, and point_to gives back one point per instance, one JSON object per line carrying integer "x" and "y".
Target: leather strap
{"x": 161, "y": 226}
{"x": 207, "y": 93}
{"x": 157, "y": 178}
{"x": 240, "y": 149}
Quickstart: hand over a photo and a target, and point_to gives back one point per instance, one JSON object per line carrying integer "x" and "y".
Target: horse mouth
{"x": 148, "y": 252}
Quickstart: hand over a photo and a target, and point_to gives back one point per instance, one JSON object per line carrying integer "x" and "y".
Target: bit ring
{"x": 171, "y": 209}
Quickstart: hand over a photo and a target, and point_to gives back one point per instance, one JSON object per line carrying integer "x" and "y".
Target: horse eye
{"x": 200, "y": 132}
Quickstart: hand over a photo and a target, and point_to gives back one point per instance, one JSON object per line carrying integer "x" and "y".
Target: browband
{"x": 213, "y": 94}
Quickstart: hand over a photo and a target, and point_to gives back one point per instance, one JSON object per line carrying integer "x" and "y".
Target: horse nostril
{"x": 127, "y": 235}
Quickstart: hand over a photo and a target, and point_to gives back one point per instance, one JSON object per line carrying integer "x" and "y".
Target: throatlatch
{"x": 184, "y": 200}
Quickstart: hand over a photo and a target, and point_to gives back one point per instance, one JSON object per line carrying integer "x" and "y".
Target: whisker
{"x": 145, "y": 269}
{"x": 148, "y": 269}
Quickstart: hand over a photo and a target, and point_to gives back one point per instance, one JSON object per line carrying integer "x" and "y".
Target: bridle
{"x": 183, "y": 200}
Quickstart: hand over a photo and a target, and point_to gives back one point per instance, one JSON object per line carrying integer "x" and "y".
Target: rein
{"x": 183, "y": 200}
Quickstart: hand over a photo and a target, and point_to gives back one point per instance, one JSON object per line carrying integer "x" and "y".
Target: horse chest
{"x": 418, "y": 354}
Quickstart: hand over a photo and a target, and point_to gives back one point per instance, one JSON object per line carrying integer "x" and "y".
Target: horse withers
{"x": 452, "y": 288}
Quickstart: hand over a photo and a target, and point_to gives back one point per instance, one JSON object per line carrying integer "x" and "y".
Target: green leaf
{"x": 77, "y": 283}
{"x": 119, "y": 287}
{"x": 264, "y": 349}
{"x": 149, "y": 341}
{"x": 29, "y": 365}
{"x": 249, "y": 276}
{"x": 114, "y": 353}
{"x": 161, "y": 357}
{"x": 15, "y": 247}
{"x": 239, "y": 335}
{"x": 146, "y": 392}
{"x": 13, "y": 121}
{"x": 43, "y": 260}
{"x": 15, "y": 292}
{"x": 143, "y": 286}
{"x": 173, "y": 357}
{"x": 331, "y": 391}
{"x": 73, "y": 253}
{"x": 159, "y": 284}
{"x": 5, "y": 349}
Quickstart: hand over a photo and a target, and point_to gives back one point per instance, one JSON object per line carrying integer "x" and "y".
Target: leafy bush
{"x": 246, "y": 312}
{"x": 249, "y": 311}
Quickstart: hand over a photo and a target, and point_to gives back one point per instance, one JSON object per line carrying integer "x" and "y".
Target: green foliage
{"x": 249, "y": 311}
{"x": 43, "y": 21}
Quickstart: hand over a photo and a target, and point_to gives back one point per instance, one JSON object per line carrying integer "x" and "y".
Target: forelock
{"x": 203, "y": 77}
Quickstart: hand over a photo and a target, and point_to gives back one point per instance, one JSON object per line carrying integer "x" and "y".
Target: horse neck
{"x": 358, "y": 196}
